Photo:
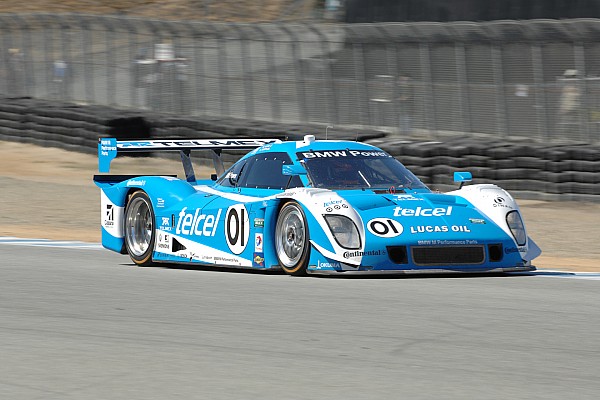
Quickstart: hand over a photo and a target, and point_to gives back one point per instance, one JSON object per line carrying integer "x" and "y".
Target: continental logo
{"x": 358, "y": 253}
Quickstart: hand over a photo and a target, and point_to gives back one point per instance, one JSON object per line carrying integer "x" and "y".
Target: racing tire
{"x": 292, "y": 244}
{"x": 139, "y": 229}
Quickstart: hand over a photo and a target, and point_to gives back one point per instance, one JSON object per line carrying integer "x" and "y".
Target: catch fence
{"x": 537, "y": 80}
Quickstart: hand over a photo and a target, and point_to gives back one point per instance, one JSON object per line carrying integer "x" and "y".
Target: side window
{"x": 264, "y": 172}
{"x": 233, "y": 175}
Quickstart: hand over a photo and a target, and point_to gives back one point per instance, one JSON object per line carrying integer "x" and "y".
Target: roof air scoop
{"x": 308, "y": 139}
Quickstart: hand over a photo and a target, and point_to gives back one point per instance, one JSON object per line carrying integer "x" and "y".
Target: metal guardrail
{"x": 529, "y": 79}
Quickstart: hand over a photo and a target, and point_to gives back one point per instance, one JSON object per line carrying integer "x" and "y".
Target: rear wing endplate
{"x": 108, "y": 148}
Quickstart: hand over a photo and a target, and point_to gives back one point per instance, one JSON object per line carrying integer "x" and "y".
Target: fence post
{"x": 583, "y": 88}
{"x": 463, "y": 89}
{"x": 298, "y": 73}
{"x": 87, "y": 45}
{"x": 540, "y": 96}
{"x": 274, "y": 93}
{"x": 329, "y": 79}
{"x": 10, "y": 55}
{"x": 200, "y": 76}
{"x": 247, "y": 83}
{"x": 4, "y": 24}
{"x": 47, "y": 34}
{"x": 110, "y": 56}
{"x": 223, "y": 75}
{"x": 66, "y": 57}
{"x": 429, "y": 101}
{"x": 28, "y": 81}
{"x": 361, "y": 76}
{"x": 498, "y": 72}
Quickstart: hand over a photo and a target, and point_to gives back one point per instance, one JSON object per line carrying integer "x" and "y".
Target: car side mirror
{"x": 462, "y": 177}
{"x": 213, "y": 177}
{"x": 292, "y": 169}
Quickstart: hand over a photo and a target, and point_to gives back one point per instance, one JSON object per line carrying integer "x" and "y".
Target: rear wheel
{"x": 292, "y": 239}
{"x": 139, "y": 229}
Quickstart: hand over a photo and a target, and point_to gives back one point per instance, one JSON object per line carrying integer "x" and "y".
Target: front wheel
{"x": 292, "y": 240}
{"x": 139, "y": 229}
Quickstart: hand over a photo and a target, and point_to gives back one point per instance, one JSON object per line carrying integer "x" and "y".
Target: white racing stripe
{"x": 561, "y": 274}
{"x": 63, "y": 244}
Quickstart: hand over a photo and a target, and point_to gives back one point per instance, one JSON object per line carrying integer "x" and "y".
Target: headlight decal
{"x": 516, "y": 226}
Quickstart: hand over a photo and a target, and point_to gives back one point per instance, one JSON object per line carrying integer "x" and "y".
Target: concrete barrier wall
{"x": 525, "y": 168}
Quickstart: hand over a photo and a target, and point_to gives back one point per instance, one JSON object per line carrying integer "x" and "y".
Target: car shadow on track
{"x": 339, "y": 275}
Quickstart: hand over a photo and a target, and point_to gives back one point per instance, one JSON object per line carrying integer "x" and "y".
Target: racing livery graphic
{"x": 309, "y": 206}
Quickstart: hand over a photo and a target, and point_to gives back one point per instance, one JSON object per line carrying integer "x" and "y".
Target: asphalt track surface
{"x": 84, "y": 323}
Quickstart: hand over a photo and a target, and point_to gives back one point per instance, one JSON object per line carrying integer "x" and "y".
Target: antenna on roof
{"x": 328, "y": 126}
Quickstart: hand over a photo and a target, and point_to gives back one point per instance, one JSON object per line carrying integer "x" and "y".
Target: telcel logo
{"x": 422, "y": 212}
{"x": 200, "y": 225}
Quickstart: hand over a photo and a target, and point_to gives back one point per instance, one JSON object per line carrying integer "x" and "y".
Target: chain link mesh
{"x": 533, "y": 79}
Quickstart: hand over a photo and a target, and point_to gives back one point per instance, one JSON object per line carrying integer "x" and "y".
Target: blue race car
{"x": 310, "y": 206}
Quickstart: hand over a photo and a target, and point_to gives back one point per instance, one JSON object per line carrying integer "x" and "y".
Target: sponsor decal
{"x": 163, "y": 242}
{"x": 385, "y": 227}
{"x": 259, "y": 222}
{"x": 258, "y": 242}
{"x": 107, "y": 145}
{"x": 359, "y": 253}
{"x": 165, "y": 221}
{"x": 231, "y": 175}
{"x": 329, "y": 265}
{"x": 477, "y": 221}
{"x": 109, "y": 220}
{"x": 237, "y": 228}
{"x": 228, "y": 260}
{"x": 134, "y": 182}
{"x": 422, "y": 212}
{"x": 197, "y": 224}
{"x": 510, "y": 250}
{"x": 501, "y": 202}
{"x": 266, "y": 147}
{"x": 160, "y": 202}
{"x": 438, "y": 228}
{"x": 332, "y": 203}
{"x": 258, "y": 260}
{"x": 446, "y": 242}
{"x": 402, "y": 197}
{"x": 342, "y": 153}
{"x": 196, "y": 143}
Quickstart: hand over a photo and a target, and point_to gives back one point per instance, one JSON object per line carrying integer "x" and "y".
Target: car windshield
{"x": 353, "y": 169}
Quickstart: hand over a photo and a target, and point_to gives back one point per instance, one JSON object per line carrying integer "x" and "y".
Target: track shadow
{"x": 340, "y": 275}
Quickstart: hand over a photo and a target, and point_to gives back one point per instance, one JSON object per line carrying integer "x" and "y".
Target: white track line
{"x": 63, "y": 244}
{"x": 566, "y": 274}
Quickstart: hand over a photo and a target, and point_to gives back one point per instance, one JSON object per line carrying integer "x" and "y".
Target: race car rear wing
{"x": 108, "y": 148}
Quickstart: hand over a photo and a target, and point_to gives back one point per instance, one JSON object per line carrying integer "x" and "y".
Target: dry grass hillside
{"x": 222, "y": 10}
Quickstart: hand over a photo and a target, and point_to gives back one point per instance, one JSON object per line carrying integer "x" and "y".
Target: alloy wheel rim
{"x": 139, "y": 227}
{"x": 290, "y": 240}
